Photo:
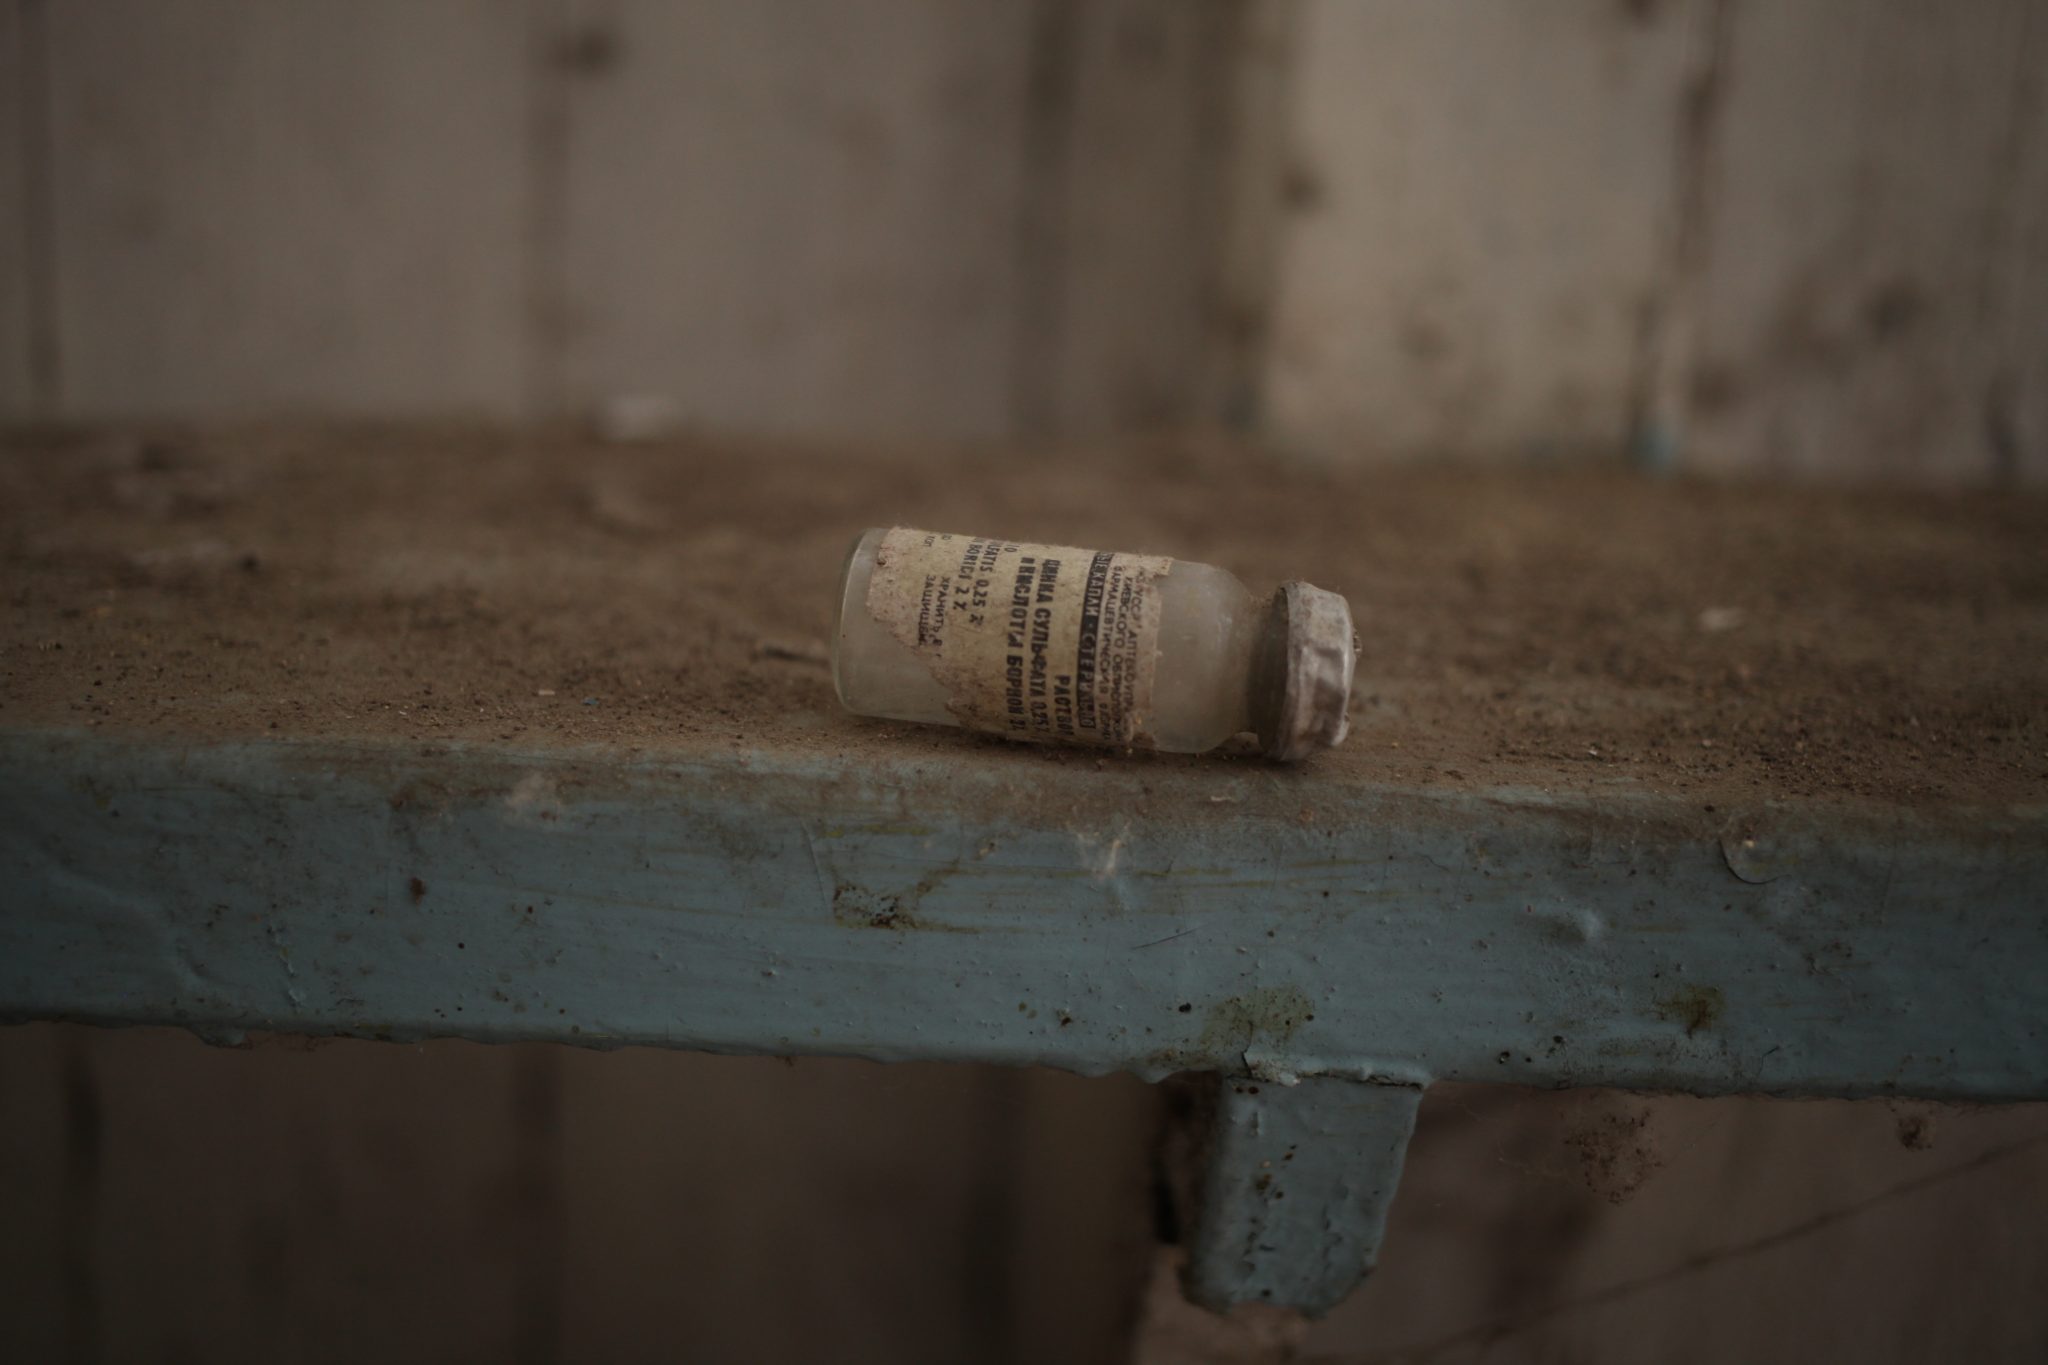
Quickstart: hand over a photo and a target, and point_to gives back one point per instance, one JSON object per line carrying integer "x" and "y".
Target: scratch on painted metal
{"x": 284, "y": 956}
{"x": 533, "y": 800}
{"x": 1891, "y": 865}
{"x": 825, "y": 880}
{"x": 1102, "y": 866}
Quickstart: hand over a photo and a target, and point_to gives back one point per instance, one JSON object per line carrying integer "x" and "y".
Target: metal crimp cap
{"x": 1321, "y": 651}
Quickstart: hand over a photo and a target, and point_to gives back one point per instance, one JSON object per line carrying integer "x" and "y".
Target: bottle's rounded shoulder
{"x": 1191, "y": 580}
{"x": 1208, "y": 630}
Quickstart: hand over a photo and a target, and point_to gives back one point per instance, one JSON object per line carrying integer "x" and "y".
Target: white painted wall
{"x": 1132, "y": 201}
{"x": 1477, "y": 209}
{"x": 796, "y": 217}
{"x": 905, "y": 217}
{"x": 1795, "y": 236}
{"x": 1876, "y": 265}
{"x": 15, "y": 272}
{"x": 1807, "y": 237}
{"x": 288, "y": 206}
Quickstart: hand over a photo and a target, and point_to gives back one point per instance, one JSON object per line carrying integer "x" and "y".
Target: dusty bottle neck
{"x": 1301, "y": 672}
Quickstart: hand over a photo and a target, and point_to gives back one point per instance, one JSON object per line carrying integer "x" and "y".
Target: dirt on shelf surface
{"x": 1556, "y": 628}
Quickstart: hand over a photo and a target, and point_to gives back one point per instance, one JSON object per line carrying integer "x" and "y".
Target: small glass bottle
{"x": 1051, "y": 643}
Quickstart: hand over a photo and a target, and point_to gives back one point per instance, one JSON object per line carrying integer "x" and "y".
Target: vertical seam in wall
{"x": 1218, "y": 116}
{"x": 541, "y": 1172}
{"x": 1005, "y": 1101}
{"x": 1049, "y": 91}
{"x": 84, "y": 1159}
{"x": 2001, "y": 205}
{"x": 1995, "y": 239}
{"x": 546, "y": 208}
{"x": 38, "y": 209}
{"x": 1255, "y": 133}
{"x": 1669, "y": 325}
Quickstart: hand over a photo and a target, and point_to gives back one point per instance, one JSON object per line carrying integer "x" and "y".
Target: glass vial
{"x": 1055, "y": 644}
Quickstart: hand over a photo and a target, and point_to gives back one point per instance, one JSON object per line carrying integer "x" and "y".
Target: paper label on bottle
{"x": 1033, "y": 641}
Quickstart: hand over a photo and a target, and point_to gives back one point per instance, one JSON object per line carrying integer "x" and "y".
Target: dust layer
{"x": 1563, "y": 628}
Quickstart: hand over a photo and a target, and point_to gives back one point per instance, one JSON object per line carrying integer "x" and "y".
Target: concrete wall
{"x": 1807, "y": 237}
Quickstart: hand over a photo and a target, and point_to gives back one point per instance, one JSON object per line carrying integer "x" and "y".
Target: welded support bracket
{"x": 1294, "y": 1198}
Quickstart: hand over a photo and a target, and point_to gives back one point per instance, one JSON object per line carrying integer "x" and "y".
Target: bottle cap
{"x": 1321, "y": 650}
